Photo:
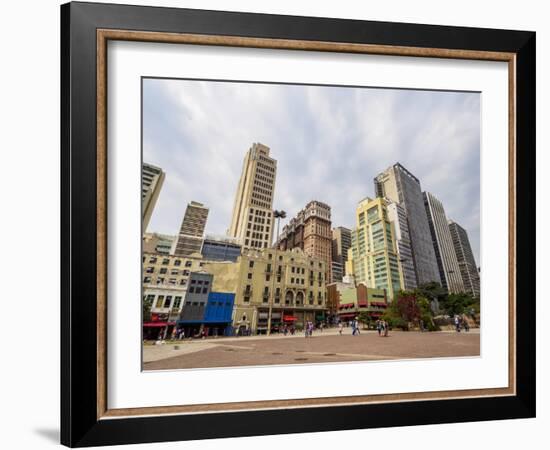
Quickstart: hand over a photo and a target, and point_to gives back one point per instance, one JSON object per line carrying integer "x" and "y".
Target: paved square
{"x": 323, "y": 347}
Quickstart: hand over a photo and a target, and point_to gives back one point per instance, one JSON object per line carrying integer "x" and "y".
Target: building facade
{"x": 273, "y": 289}
{"x": 354, "y": 300}
{"x": 398, "y": 218}
{"x": 220, "y": 248}
{"x": 465, "y": 258}
{"x": 400, "y": 186}
{"x": 449, "y": 271}
{"x": 373, "y": 258}
{"x": 162, "y": 244}
{"x": 152, "y": 178}
{"x": 341, "y": 243}
{"x": 311, "y": 232}
{"x": 252, "y": 217}
{"x": 192, "y": 229}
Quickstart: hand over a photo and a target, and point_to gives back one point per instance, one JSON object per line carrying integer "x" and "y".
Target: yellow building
{"x": 372, "y": 258}
{"x": 272, "y": 288}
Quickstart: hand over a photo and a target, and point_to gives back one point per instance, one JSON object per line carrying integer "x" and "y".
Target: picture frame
{"x": 86, "y": 419}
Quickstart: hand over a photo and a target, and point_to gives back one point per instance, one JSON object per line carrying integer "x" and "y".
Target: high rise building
{"x": 373, "y": 258}
{"x": 398, "y": 217}
{"x": 152, "y": 178}
{"x": 447, "y": 263}
{"x": 341, "y": 242}
{"x": 192, "y": 229}
{"x": 400, "y": 186}
{"x": 252, "y": 219}
{"x": 465, "y": 258}
{"x": 310, "y": 231}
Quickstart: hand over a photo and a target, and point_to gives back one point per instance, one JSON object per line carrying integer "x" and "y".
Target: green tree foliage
{"x": 365, "y": 319}
{"x": 460, "y": 304}
{"x": 146, "y": 309}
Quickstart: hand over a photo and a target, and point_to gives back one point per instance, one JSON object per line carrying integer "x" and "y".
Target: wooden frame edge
{"x": 103, "y": 35}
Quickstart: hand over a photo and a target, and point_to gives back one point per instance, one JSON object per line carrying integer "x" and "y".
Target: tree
{"x": 456, "y": 304}
{"x": 146, "y": 305}
{"x": 408, "y": 308}
{"x": 365, "y": 319}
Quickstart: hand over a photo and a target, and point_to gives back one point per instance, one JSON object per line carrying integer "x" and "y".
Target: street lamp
{"x": 276, "y": 215}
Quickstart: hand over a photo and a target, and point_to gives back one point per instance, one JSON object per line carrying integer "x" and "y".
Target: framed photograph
{"x": 277, "y": 224}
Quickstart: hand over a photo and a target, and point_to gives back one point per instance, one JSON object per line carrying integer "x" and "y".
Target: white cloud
{"x": 329, "y": 142}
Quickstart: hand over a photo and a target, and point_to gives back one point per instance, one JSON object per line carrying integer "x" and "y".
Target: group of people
{"x": 382, "y": 327}
{"x": 461, "y": 322}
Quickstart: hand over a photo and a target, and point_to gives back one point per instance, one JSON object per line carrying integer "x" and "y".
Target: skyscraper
{"x": 399, "y": 185}
{"x": 310, "y": 231}
{"x": 252, "y": 219}
{"x": 398, "y": 217}
{"x": 192, "y": 229}
{"x": 447, "y": 263}
{"x": 152, "y": 178}
{"x": 465, "y": 258}
{"x": 341, "y": 242}
{"x": 372, "y": 258}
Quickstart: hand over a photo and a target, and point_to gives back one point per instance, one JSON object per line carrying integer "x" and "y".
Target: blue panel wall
{"x": 219, "y": 307}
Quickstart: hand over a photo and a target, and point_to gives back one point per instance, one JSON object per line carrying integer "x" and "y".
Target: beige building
{"x": 272, "y": 286}
{"x": 311, "y": 232}
{"x": 158, "y": 243}
{"x": 164, "y": 283}
{"x": 373, "y": 258}
{"x": 252, "y": 219}
{"x": 192, "y": 229}
{"x": 152, "y": 178}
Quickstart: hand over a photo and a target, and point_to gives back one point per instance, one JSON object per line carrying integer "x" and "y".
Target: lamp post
{"x": 276, "y": 215}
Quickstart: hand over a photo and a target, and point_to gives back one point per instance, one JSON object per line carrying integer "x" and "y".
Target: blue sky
{"x": 329, "y": 143}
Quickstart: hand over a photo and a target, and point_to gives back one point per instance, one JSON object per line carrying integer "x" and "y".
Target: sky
{"x": 329, "y": 143}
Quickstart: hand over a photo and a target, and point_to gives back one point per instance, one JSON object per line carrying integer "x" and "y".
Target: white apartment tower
{"x": 449, "y": 270}
{"x": 152, "y": 178}
{"x": 252, "y": 219}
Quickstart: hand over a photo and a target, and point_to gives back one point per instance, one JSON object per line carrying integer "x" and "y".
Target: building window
{"x": 160, "y": 301}
{"x": 267, "y": 278}
{"x": 204, "y": 290}
{"x": 188, "y": 263}
{"x": 166, "y": 261}
{"x": 168, "y": 301}
{"x": 163, "y": 270}
{"x": 251, "y": 264}
{"x": 249, "y": 275}
{"x": 177, "y": 302}
{"x": 186, "y": 272}
{"x": 177, "y": 262}
{"x": 153, "y": 260}
{"x": 150, "y": 270}
{"x": 172, "y": 281}
{"x": 192, "y": 290}
{"x": 147, "y": 280}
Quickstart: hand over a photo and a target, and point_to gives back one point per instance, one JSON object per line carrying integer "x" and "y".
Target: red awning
{"x": 363, "y": 304}
{"x": 157, "y": 324}
{"x": 347, "y": 315}
{"x": 290, "y": 318}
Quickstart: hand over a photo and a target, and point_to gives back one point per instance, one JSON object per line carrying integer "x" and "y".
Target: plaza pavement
{"x": 323, "y": 347}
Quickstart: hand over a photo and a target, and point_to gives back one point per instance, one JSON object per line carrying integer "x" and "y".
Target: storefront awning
{"x": 347, "y": 315}
{"x": 290, "y": 318}
{"x": 157, "y": 324}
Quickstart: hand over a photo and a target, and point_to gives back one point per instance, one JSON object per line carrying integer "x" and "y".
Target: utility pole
{"x": 276, "y": 215}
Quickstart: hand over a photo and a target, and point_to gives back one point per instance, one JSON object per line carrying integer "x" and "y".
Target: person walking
{"x": 340, "y": 328}
{"x": 386, "y": 328}
{"x": 466, "y": 324}
{"x": 457, "y": 324}
{"x": 379, "y": 327}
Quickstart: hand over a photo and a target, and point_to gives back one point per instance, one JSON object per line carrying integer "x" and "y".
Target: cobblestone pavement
{"x": 321, "y": 348}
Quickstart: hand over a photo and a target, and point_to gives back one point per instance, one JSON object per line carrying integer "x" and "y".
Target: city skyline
{"x": 329, "y": 143}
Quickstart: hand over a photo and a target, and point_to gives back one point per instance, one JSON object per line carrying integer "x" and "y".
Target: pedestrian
{"x": 340, "y": 328}
{"x": 386, "y": 328}
{"x": 457, "y": 324}
{"x": 379, "y": 327}
{"x": 466, "y": 324}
